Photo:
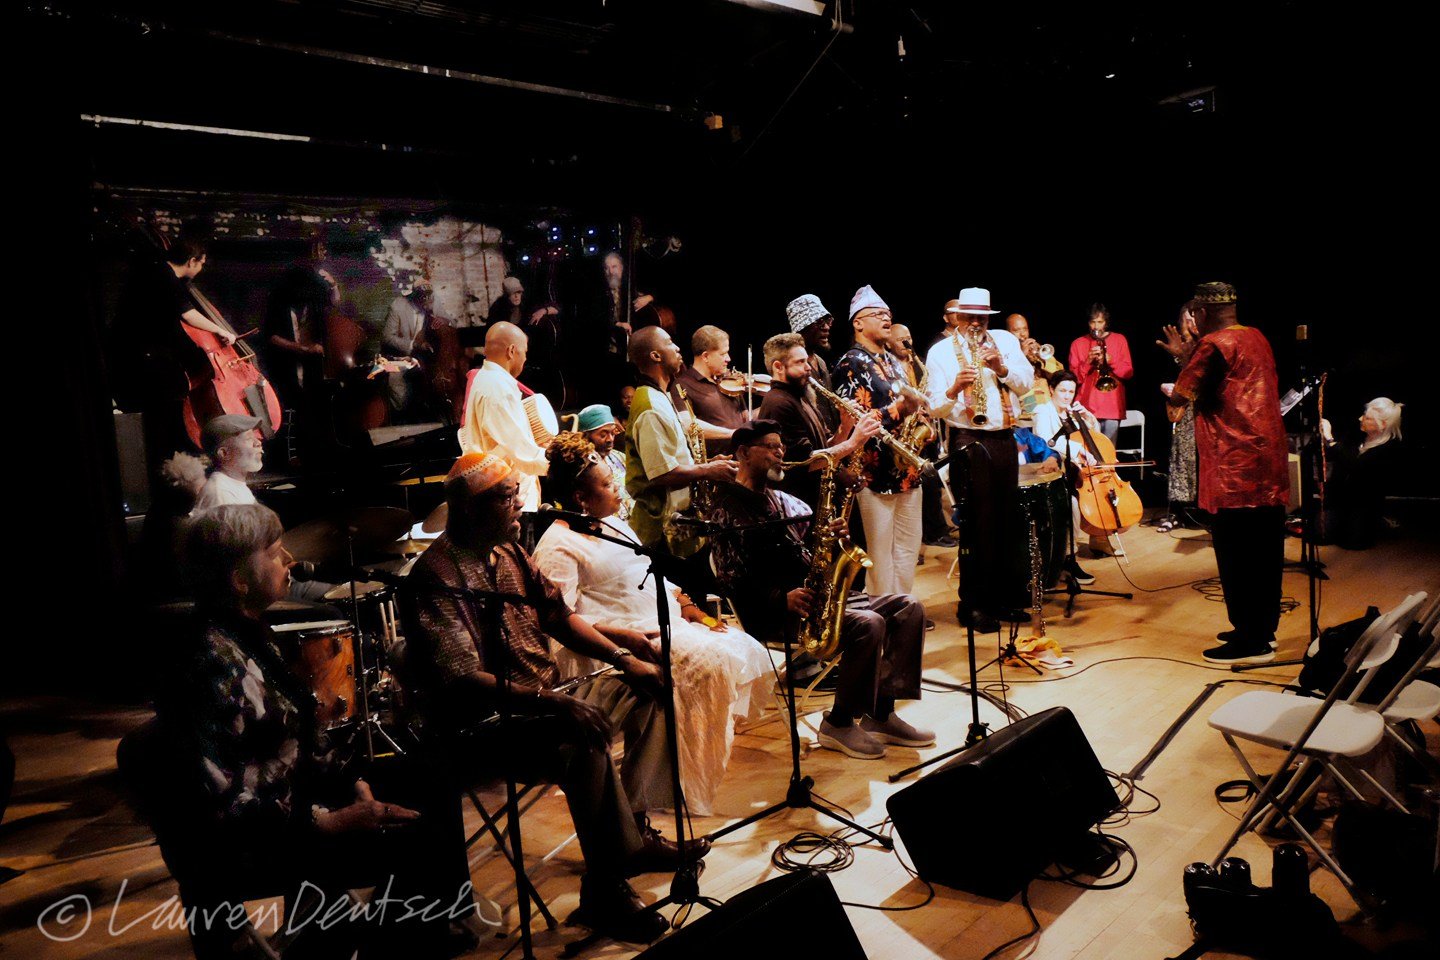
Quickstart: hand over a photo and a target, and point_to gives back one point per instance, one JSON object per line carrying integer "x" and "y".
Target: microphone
{"x": 577, "y": 521}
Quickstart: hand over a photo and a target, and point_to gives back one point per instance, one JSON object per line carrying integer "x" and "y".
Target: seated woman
{"x": 1359, "y": 476}
{"x": 256, "y": 796}
{"x": 719, "y": 672}
{"x": 1054, "y": 423}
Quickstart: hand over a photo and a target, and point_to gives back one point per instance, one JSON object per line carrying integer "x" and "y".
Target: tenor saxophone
{"x": 835, "y": 563}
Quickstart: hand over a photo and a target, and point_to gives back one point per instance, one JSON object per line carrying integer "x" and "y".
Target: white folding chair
{"x": 1413, "y": 700}
{"x": 1134, "y": 418}
{"x": 1327, "y": 732}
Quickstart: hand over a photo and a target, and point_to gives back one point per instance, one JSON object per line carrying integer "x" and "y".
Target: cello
{"x": 236, "y": 384}
{"x": 1107, "y": 503}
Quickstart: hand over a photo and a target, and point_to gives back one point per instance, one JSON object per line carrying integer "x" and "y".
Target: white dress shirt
{"x": 495, "y": 421}
{"x": 944, "y": 368}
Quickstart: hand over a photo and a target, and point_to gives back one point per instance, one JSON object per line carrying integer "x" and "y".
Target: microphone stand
{"x": 685, "y": 886}
{"x": 978, "y": 730}
{"x": 799, "y": 795}
{"x": 1071, "y": 588}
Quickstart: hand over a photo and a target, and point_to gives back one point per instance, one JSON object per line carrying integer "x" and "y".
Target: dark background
{"x": 997, "y": 152}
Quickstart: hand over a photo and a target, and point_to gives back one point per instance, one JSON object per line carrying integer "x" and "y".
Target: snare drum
{"x": 322, "y": 654}
{"x": 1046, "y": 500}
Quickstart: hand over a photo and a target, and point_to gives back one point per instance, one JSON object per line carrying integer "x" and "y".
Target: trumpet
{"x": 906, "y": 455}
{"x": 1046, "y": 352}
{"x": 1105, "y": 379}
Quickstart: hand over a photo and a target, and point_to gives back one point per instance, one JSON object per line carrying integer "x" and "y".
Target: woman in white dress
{"x": 720, "y": 672}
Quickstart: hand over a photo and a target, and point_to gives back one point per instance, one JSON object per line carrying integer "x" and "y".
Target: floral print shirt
{"x": 868, "y": 379}
{"x": 247, "y": 727}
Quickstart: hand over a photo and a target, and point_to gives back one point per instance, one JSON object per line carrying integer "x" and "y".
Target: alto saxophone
{"x": 834, "y": 565}
{"x": 916, "y": 431}
{"x": 701, "y": 498}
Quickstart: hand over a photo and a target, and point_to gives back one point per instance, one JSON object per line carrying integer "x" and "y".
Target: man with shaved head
{"x": 659, "y": 467}
{"x": 495, "y": 419}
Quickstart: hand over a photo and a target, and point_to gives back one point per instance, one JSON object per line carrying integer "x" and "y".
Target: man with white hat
{"x": 976, "y": 390}
{"x": 891, "y": 501}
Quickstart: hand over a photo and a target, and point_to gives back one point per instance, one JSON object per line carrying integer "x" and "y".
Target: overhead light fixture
{"x": 1109, "y": 76}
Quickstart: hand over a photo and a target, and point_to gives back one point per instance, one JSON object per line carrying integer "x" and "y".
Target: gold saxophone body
{"x": 917, "y": 430}
{"x": 835, "y": 563}
{"x": 701, "y": 496}
{"x": 979, "y": 401}
{"x": 902, "y": 452}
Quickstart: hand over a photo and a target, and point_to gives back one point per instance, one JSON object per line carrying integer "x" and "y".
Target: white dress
{"x": 718, "y": 676}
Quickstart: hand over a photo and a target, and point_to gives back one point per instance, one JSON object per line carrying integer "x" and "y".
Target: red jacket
{"x": 1105, "y": 405}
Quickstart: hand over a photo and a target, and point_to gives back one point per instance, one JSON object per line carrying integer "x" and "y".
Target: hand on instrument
{"x": 1050, "y": 465}
{"x": 963, "y": 380}
{"x": 643, "y": 301}
{"x": 866, "y": 428}
{"x": 1031, "y": 348}
{"x": 226, "y": 337}
{"x": 538, "y": 315}
{"x": 1084, "y": 457}
{"x": 589, "y": 719}
{"x": 990, "y": 356}
{"x": 1167, "y": 388}
{"x": 1325, "y": 433}
{"x": 622, "y": 325}
{"x": 721, "y": 469}
{"x": 1094, "y": 354}
{"x": 800, "y": 600}
{"x": 645, "y": 677}
{"x": 315, "y": 349}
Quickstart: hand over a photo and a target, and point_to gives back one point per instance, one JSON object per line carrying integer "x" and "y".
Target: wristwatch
{"x": 620, "y": 654}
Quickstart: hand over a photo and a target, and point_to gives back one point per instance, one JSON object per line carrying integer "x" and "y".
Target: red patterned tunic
{"x": 1238, "y": 431}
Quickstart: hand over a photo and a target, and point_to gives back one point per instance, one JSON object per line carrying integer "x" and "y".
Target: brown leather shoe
{"x": 659, "y": 854}
{"x": 609, "y": 907}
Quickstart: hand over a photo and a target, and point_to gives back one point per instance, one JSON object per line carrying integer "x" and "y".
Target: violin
{"x": 1107, "y": 503}
{"x": 735, "y": 384}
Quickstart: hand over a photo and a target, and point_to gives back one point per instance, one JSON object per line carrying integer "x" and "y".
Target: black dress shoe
{"x": 977, "y": 621}
{"x": 944, "y": 542}
{"x": 659, "y": 854}
{"x": 609, "y": 907}
{"x": 1077, "y": 573}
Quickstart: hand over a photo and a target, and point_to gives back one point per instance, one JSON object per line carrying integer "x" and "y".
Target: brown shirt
{"x": 449, "y": 633}
{"x": 710, "y": 405}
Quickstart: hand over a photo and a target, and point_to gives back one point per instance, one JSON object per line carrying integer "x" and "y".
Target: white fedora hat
{"x": 975, "y": 300}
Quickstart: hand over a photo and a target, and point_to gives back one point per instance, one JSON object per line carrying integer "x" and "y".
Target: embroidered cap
{"x": 480, "y": 470}
{"x": 866, "y": 298}
{"x": 1215, "y": 292}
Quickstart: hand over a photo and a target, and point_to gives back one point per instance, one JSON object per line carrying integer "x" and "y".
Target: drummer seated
{"x": 1038, "y": 460}
{"x": 456, "y": 659}
{"x": 253, "y": 800}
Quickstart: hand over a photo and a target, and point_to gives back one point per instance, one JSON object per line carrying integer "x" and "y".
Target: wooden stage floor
{"x": 1137, "y": 666}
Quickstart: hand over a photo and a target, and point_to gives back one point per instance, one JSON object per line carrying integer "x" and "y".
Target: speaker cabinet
{"x": 134, "y": 477}
{"x": 1001, "y": 811}
{"x": 794, "y": 915}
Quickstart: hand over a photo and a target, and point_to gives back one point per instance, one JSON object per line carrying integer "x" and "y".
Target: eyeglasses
{"x": 592, "y": 459}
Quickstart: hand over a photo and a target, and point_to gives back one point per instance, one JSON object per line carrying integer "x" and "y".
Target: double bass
{"x": 236, "y": 384}
{"x": 1107, "y": 503}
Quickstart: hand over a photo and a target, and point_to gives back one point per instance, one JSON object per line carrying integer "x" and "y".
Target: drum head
{"x": 315, "y": 626}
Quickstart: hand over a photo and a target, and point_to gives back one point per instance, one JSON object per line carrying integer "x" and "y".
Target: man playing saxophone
{"x": 764, "y": 571}
{"x": 976, "y": 376}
